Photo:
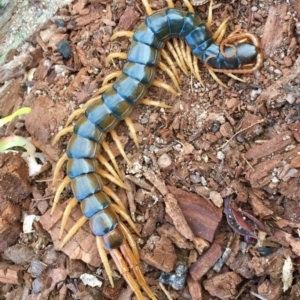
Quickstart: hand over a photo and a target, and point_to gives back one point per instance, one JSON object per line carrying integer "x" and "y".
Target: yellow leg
{"x": 58, "y": 166}
{"x": 124, "y": 271}
{"x": 179, "y": 52}
{"x": 121, "y": 55}
{"x": 127, "y": 253}
{"x": 220, "y": 32}
{"x": 106, "y": 164}
{"x": 119, "y": 145}
{"x": 72, "y": 231}
{"x": 114, "y": 196}
{"x": 72, "y": 203}
{"x": 189, "y": 6}
{"x": 75, "y": 114}
{"x": 118, "y": 34}
{"x": 130, "y": 240}
{"x": 197, "y": 71}
{"x": 235, "y": 77}
{"x": 132, "y": 131}
{"x": 165, "y": 86}
{"x": 215, "y": 77}
{"x": 103, "y": 89}
{"x": 170, "y": 3}
{"x": 147, "y": 7}
{"x": 64, "y": 131}
{"x": 60, "y": 188}
{"x": 111, "y": 156}
{"x": 111, "y": 178}
{"x": 168, "y": 59}
{"x": 209, "y": 18}
{"x": 175, "y": 56}
{"x": 103, "y": 256}
{"x": 165, "y": 68}
{"x": 148, "y": 101}
{"x": 111, "y": 76}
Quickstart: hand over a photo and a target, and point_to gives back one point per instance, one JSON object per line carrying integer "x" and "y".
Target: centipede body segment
{"x": 115, "y": 101}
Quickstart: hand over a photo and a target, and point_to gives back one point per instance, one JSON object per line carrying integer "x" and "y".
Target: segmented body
{"x": 118, "y": 102}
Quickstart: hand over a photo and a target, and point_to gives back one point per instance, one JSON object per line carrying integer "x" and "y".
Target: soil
{"x": 214, "y": 184}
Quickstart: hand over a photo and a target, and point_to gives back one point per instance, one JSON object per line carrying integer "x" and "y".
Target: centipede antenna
{"x": 110, "y": 56}
{"x": 61, "y": 133}
{"x": 58, "y": 166}
{"x": 118, "y": 34}
{"x": 169, "y": 61}
{"x": 148, "y": 101}
{"x": 132, "y": 131}
{"x": 164, "y": 86}
{"x": 124, "y": 271}
{"x": 72, "y": 231}
{"x": 133, "y": 264}
{"x": 106, "y": 164}
{"x": 111, "y": 178}
{"x": 103, "y": 256}
{"x": 110, "y": 154}
{"x": 131, "y": 241}
{"x": 147, "y": 7}
{"x": 75, "y": 114}
{"x": 197, "y": 71}
{"x": 71, "y": 204}
{"x": 210, "y": 16}
{"x": 110, "y": 77}
{"x": 116, "y": 139}
{"x": 60, "y": 188}
{"x": 126, "y": 217}
{"x": 175, "y": 55}
{"x": 114, "y": 196}
{"x": 220, "y": 32}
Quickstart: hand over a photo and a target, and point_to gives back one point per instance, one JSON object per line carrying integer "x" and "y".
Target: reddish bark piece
{"x": 274, "y": 29}
{"x": 163, "y": 256}
{"x": 296, "y": 5}
{"x": 278, "y": 142}
{"x": 206, "y": 261}
{"x": 223, "y": 286}
{"x": 194, "y": 288}
{"x": 202, "y": 216}
{"x": 177, "y": 216}
{"x": 128, "y": 19}
{"x": 10, "y": 273}
{"x": 271, "y": 290}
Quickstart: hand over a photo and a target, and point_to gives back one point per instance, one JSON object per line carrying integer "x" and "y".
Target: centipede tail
{"x": 114, "y": 103}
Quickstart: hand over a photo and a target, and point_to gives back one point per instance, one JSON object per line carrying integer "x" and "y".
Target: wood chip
{"x": 10, "y": 274}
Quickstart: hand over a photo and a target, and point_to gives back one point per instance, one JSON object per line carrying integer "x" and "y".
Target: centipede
{"x": 192, "y": 41}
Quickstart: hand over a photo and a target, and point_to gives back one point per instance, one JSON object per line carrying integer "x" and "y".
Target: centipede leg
{"x": 210, "y": 15}
{"x": 179, "y": 52}
{"x": 58, "y": 166}
{"x": 131, "y": 241}
{"x": 111, "y": 156}
{"x": 61, "y": 133}
{"x": 103, "y": 256}
{"x": 168, "y": 59}
{"x": 119, "y": 145}
{"x": 132, "y": 131}
{"x": 220, "y": 32}
{"x": 216, "y": 78}
{"x": 60, "y": 188}
{"x": 72, "y": 231}
{"x": 165, "y": 68}
{"x": 150, "y": 102}
{"x": 197, "y": 71}
{"x": 165, "y": 86}
{"x": 121, "y": 55}
{"x": 118, "y": 34}
{"x": 170, "y": 3}
{"x": 71, "y": 204}
{"x": 111, "y": 76}
{"x": 175, "y": 55}
{"x": 106, "y": 164}
{"x": 111, "y": 178}
{"x": 114, "y": 196}
{"x": 124, "y": 271}
{"x": 147, "y": 7}
{"x": 127, "y": 253}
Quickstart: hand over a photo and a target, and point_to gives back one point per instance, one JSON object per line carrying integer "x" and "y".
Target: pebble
{"x": 175, "y": 280}
{"x": 254, "y": 8}
{"x": 195, "y": 178}
{"x": 164, "y": 161}
{"x": 64, "y": 48}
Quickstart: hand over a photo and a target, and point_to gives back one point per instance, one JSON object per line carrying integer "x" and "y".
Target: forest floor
{"x": 214, "y": 184}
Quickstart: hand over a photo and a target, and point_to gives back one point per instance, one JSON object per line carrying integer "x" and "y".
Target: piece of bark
{"x": 159, "y": 252}
{"x": 201, "y": 215}
{"x": 194, "y": 288}
{"x": 223, "y": 286}
{"x": 271, "y": 290}
{"x": 258, "y": 207}
{"x": 177, "y": 216}
{"x": 11, "y": 273}
{"x": 128, "y": 19}
{"x": 274, "y": 29}
{"x": 296, "y": 5}
{"x": 206, "y": 261}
